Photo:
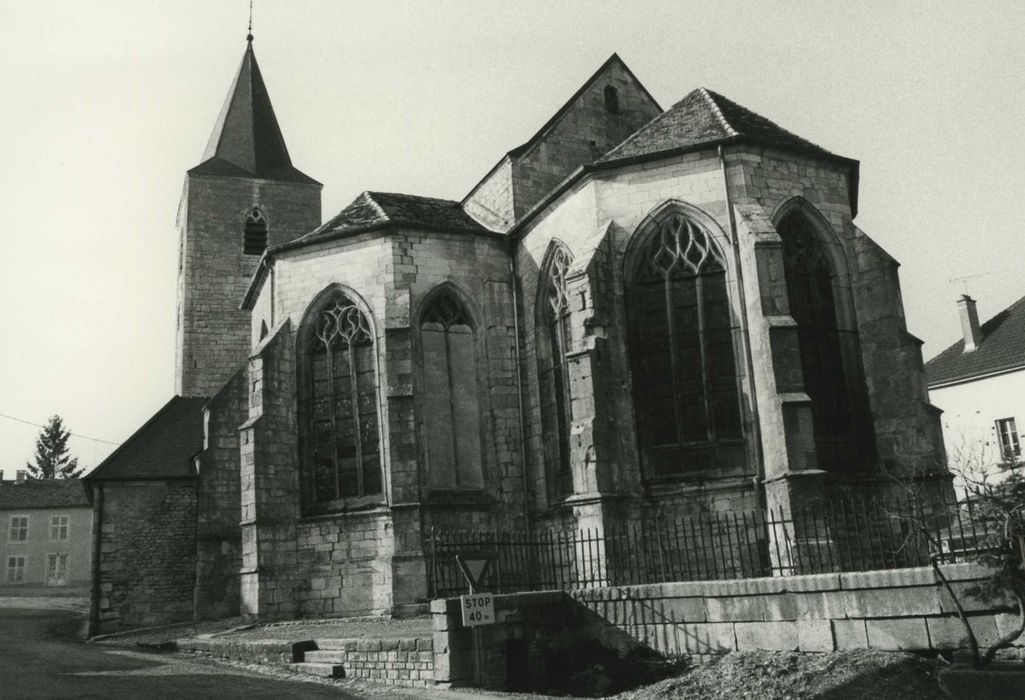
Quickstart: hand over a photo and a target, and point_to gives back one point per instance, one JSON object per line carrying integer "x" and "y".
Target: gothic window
{"x": 553, "y": 343}
{"x": 255, "y": 237}
{"x": 338, "y": 404}
{"x": 809, "y": 276}
{"x": 685, "y": 384}
{"x": 450, "y": 405}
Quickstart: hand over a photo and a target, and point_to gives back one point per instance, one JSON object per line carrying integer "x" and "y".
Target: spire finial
{"x": 249, "y": 36}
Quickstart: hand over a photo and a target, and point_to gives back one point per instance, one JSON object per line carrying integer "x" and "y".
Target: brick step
{"x": 391, "y": 644}
{"x": 325, "y": 656}
{"x": 325, "y": 670}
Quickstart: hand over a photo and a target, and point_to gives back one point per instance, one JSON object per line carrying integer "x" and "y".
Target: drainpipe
{"x": 519, "y": 385}
{"x": 94, "y": 613}
{"x": 756, "y": 431}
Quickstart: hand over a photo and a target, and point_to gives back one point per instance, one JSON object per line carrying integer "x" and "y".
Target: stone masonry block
{"x": 707, "y": 638}
{"x": 891, "y": 602}
{"x": 815, "y": 635}
{"x": 773, "y": 636}
{"x": 949, "y": 632}
{"x": 897, "y": 635}
{"x": 736, "y": 609}
{"x": 850, "y": 634}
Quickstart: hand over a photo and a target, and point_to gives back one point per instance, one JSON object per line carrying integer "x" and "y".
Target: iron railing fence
{"x": 839, "y": 535}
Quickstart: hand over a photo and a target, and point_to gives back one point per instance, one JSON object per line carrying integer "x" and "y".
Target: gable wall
{"x": 583, "y": 134}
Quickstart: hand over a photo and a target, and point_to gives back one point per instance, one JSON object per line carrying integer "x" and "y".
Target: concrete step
{"x": 325, "y": 670}
{"x": 325, "y": 656}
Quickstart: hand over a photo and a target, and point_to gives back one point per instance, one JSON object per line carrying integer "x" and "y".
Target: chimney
{"x": 21, "y": 476}
{"x": 969, "y": 323}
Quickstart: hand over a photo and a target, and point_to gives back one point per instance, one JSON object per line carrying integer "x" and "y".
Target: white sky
{"x": 107, "y": 104}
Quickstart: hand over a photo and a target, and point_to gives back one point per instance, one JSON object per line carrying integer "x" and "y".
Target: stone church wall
{"x": 147, "y": 553}
{"x": 218, "y": 535}
{"x": 596, "y": 221}
{"x": 370, "y": 561}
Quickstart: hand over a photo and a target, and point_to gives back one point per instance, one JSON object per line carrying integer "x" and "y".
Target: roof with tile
{"x": 43, "y": 493}
{"x": 246, "y": 141}
{"x": 1002, "y": 349}
{"x": 162, "y": 448}
{"x": 376, "y": 209}
{"x": 705, "y": 117}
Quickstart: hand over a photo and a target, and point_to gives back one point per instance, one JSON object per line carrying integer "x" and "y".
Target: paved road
{"x": 41, "y": 657}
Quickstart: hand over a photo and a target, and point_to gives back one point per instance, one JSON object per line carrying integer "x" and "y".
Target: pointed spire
{"x": 246, "y": 140}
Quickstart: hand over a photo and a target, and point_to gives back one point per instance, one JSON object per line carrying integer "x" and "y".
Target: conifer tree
{"x": 53, "y": 460}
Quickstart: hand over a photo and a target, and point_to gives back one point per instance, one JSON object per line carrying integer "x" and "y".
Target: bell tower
{"x": 244, "y": 196}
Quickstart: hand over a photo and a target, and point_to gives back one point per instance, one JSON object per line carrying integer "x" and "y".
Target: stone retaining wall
{"x": 902, "y": 609}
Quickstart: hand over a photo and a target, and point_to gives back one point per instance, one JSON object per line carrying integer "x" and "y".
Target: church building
{"x": 637, "y": 311}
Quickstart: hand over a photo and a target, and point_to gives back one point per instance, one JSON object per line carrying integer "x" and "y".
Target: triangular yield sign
{"x": 474, "y": 566}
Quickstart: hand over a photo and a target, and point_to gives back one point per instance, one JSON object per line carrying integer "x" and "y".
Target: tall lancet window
{"x": 254, "y": 240}
{"x": 451, "y": 414}
{"x": 685, "y": 383}
{"x": 809, "y": 274}
{"x": 339, "y": 408}
{"x": 553, "y": 344}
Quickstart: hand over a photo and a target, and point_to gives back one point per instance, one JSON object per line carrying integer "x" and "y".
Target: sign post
{"x": 478, "y": 608}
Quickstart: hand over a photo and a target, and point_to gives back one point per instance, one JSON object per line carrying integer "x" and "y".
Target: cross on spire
{"x": 249, "y": 36}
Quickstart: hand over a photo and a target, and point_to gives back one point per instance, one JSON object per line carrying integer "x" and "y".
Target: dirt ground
{"x": 764, "y": 675}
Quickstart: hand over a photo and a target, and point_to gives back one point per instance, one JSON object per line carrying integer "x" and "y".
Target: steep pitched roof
{"x": 371, "y": 211}
{"x": 376, "y": 209}
{"x": 704, "y": 117}
{"x": 161, "y": 448}
{"x": 246, "y": 141}
{"x": 43, "y": 493}
{"x": 1002, "y": 348}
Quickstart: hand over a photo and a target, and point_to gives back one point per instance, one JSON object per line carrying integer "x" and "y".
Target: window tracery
{"x": 554, "y": 341}
{"x": 340, "y": 407}
{"x": 685, "y": 379}
{"x": 255, "y": 235}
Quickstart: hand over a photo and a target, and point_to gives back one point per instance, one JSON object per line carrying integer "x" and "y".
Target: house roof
{"x": 371, "y": 211}
{"x": 246, "y": 140}
{"x": 1002, "y": 348}
{"x": 705, "y": 117}
{"x": 375, "y": 209}
{"x": 43, "y": 493}
{"x": 162, "y": 448}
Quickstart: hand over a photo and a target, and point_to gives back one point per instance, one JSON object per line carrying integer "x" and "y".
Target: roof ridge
{"x": 375, "y": 204}
{"x": 717, "y": 111}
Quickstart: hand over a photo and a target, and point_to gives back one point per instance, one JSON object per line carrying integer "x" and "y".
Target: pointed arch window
{"x": 553, "y": 343}
{"x": 338, "y": 404}
{"x": 685, "y": 380}
{"x": 810, "y": 276}
{"x": 254, "y": 240}
{"x": 451, "y": 415}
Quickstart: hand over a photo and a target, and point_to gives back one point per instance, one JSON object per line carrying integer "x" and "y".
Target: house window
{"x": 18, "y": 532}
{"x": 56, "y": 569}
{"x": 59, "y": 527}
{"x": 553, "y": 342}
{"x": 255, "y": 237}
{"x": 342, "y": 454}
{"x": 16, "y": 569}
{"x": 450, "y": 405}
{"x": 1007, "y": 434}
{"x": 685, "y": 383}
